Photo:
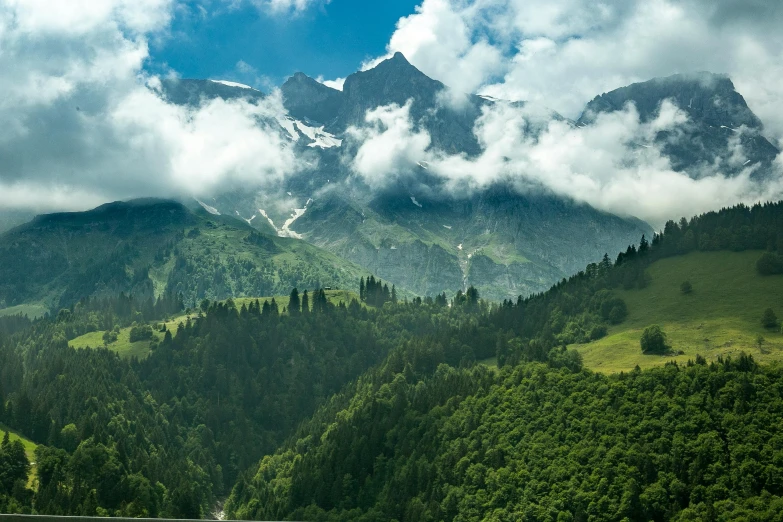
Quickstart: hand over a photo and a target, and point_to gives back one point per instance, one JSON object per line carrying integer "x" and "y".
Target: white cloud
{"x": 334, "y": 84}
{"x": 612, "y": 165}
{"x": 83, "y": 124}
{"x": 561, "y": 53}
{"x": 287, "y": 6}
{"x": 389, "y": 145}
{"x": 444, "y": 43}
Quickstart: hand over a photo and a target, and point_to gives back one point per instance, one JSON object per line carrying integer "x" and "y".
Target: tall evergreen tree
{"x": 294, "y": 305}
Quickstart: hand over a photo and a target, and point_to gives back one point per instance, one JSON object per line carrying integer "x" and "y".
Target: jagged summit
{"x": 307, "y": 98}
{"x": 705, "y": 96}
{"x": 717, "y": 114}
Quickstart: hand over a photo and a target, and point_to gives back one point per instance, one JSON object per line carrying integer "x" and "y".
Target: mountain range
{"x": 414, "y": 232}
{"x": 503, "y": 241}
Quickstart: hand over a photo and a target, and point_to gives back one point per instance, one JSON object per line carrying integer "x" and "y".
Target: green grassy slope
{"x": 141, "y": 349}
{"x": 29, "y": 449}
{"x": 122, "y": 346}
{"x": 33, "y": 311}
{"x": 146, "y": 247}
{"x": 721, "y": 317}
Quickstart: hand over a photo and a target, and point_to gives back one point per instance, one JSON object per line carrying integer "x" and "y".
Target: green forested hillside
{"x": 535, "y": 443}
{"x": 377, "y": 409}
{"x": 696, "y": 441}
{"x": 720, "y": 316}
{"x": 148, "y": 247}
{"x": 168, "y": 435}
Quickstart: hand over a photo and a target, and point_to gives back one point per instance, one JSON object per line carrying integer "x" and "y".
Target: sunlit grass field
{"x": 721, "y": 317}
{"x": 29, "y": 449}
{"x": 33, "y": 311}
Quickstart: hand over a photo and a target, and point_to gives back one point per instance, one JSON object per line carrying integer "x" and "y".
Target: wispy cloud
{"x": 614, "y": 164}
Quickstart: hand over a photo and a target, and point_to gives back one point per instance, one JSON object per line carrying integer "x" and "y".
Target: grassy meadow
{"x": 720, "y": 317}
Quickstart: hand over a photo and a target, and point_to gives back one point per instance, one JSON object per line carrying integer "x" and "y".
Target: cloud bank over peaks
{"x": 561, "y": 53}
{"x": 83, "y": 124}
{"x": 614, "y": 164}
{"x": 389, "y": 145}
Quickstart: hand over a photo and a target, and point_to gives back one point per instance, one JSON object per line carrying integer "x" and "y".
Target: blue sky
{"x": 330, "y": 40}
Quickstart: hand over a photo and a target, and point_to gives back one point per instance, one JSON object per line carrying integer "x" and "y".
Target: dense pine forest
{"x": 385, "y": 408}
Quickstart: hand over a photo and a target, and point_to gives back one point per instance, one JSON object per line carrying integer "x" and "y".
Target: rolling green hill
{"x": 141, "y": 349}
{"x": 123, "y": 346}
{"x": 148, "y": 247}
{"x": 721, "y": 317}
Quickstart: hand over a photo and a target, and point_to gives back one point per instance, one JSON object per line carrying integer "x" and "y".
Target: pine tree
{"x": 306, "y": 303}
{"x": 769, "y": 319}
{"x": 294, "y": 305}
{"x": 361, "y": 290}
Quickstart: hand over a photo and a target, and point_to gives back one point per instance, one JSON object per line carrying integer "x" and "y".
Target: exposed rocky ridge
{"x": 192, "y": 92}
{"x": 717, "y": 115}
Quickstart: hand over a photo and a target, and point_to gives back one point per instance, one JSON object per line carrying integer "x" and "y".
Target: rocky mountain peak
{"x": 706, "y": 97}
{"x": 717, "y": 114}
{"x": 307, "y": 98}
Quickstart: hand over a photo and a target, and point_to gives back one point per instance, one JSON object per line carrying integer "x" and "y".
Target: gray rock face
{"x": 308, "y": 99}
{"x": 503, "y": 243}
{"x": 192, "y": 92}
{"x": 717, "y": 115}
{"x": 394, "y": 81}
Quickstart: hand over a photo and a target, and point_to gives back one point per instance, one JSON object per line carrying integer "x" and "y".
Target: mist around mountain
{"x": 721, "y": 129}
{"x": 407, "y": 219}
{"x": 397, "y": 170}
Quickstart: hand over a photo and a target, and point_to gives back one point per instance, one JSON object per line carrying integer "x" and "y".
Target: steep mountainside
{"x": 719, "y": 119}
{"x": 146, "y": 247}
{"x": 502, "y": 243}
{"x": 417, "y": 235}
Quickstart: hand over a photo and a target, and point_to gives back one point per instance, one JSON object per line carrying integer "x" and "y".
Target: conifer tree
{"x": 294, "y": 305}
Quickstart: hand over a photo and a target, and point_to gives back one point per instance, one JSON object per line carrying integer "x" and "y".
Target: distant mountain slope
{"x": 717, "y": 115}
{"x": 192, "y": 92}
{"x": 415, "y": 234}
{"x": 146, "y": 247}
{"x": 418, "y": 236}
{"x": 502, "y": 243}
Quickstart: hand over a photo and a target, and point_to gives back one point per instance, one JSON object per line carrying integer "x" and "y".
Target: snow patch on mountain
{"x": 264, "y": 214}
{"x": 233, "y": 84}
{"x": 248, "y": 221}
{"x": 297, "y": 213}
{"x": 290, "y": 127}
{"x": 211, "y": 210}
{"x": 318, "y": 136}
